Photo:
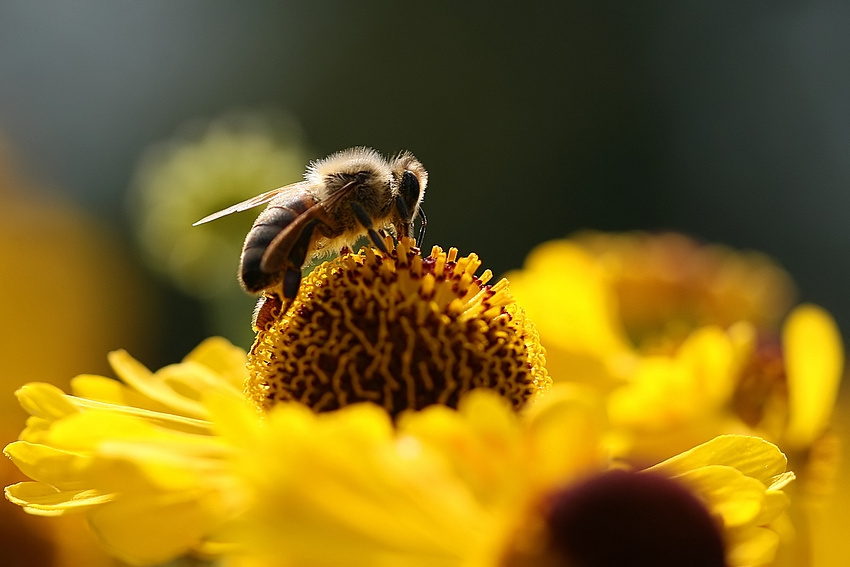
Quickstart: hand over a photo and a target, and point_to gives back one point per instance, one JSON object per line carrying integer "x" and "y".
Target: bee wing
{"x": 280, "y": 250}
{"x": 251, "y": 203}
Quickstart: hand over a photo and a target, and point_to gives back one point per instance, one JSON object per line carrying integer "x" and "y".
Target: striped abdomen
{"x": 277, "y": 227}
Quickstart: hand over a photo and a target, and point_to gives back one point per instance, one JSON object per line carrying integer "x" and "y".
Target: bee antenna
{"x": 422, "y": 225}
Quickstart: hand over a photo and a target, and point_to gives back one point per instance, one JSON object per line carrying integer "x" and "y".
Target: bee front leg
{"x": 406, "y": 227}
{"x": 364, "y": 219}
{"x": 295, "y": 262}
{"x": 424, "y": 223}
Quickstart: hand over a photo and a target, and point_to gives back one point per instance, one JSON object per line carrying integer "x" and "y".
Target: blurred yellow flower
{"x": 140, "y": 458}
{"x": 683, "y": 339}
{"x": 65, "y": 271}
{"x": 668, "y": 284}
{"x": 176, "y": 461}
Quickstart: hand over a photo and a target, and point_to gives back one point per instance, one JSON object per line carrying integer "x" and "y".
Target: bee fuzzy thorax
{"x": 339, "y": 168}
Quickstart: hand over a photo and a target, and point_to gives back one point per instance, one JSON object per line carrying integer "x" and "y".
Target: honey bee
{"x": 344, "y": 196}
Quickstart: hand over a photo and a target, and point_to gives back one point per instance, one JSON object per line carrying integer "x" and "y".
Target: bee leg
{"x": 409, "y": 195}
{"x": 267, "y": 311}
{"x": 424, "y": 223}
{"x": 406, "y": 227}
{"x": 297, "y": 257}
{"x": 291, "y": 283}
{"x": 363, "y": 218}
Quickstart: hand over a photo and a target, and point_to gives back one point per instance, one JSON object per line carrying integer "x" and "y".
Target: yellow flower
{"x": 176, "y": 461}
{"x": 568, "y": 296}
{"x": 101, "y": 301}
{"x": 446, "y": 487}
{"x": 607, "y": 296}
{"x": 668, "y": 284}
{"x": 422, "y": 439}
{"x": 683, "y": 339}
{"x": 481, "y": 485}
{"x": 139, "y": 458}
{"x": 398, "y": 330}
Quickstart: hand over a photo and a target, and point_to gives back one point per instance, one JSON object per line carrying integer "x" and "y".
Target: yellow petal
{"x": 160, "y": 418}
{"x": 753, "y": 546}
{"x": 135, "y": 375}
{"x": 728, "y": 494}
{"x": 233, "y": 419}
{"x": 114, "y": 451}
{"x": 192, "y": 381}
{"x": 780, "y": 481}
{"x": 152, "y": 529}
{"x": 489, "y": 413}
{"x": 753, "y": 456}
{"x": 214, "y": 365}
{"x": 111, "y": 391}
{"x": 659, "y": 383}
{"x": 775, "y": 503}
{"x": 56, "y": 467}
{"x": 348, "y": 478}
{"x": 227, "y": 360}
{"x": 45, "y": 500}
{"x": 45, "y": 401}
{"x": 712, "y": 359}
{"x": 565, "y": 430}
{"x": 670, "y": 391}
{"x": 567, "y": 295}
{"x": 481, "y": 440}
{"x": 814, "y": 362}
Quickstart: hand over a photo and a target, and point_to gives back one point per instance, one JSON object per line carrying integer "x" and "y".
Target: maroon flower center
{"x": 631, "y": 519}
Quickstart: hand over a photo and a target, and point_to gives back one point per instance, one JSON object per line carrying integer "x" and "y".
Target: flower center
{"x": 668, "y": 284}
{"x": 762, "y": 384}
{"x": 399, "y": 330}
{"x": 628, "y": 518}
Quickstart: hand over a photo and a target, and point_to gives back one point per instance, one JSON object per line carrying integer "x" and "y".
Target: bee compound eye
{"x": 409, "y": 189}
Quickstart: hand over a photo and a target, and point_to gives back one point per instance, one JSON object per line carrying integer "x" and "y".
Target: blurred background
{"x": 728, "y": 121}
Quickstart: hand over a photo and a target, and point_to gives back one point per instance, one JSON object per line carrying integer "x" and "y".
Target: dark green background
{"x": 727, "y": 120}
